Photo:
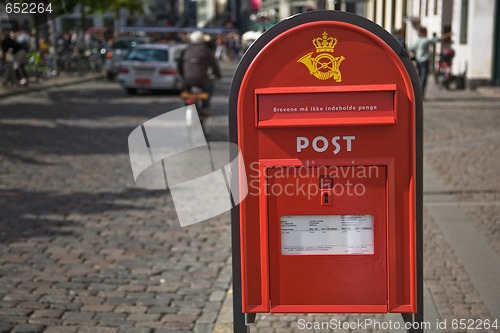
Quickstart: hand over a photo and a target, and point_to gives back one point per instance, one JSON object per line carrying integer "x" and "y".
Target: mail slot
{"x": 324, "y": 110}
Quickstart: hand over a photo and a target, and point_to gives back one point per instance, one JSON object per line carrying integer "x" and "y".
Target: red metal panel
{"x": 346, "y": 282}
{"x": 305, "y": 58}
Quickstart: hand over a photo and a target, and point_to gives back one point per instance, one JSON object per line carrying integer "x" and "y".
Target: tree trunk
{"x": 117, "y": 22}
{"x": 83, "y": 18}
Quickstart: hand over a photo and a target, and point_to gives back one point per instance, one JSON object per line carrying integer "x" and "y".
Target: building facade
{"x": 475, "y": 35}
{"x": 474, "y": 24}
{"x": 476, "y": 40}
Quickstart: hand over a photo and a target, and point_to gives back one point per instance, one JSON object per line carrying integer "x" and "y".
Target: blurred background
{"x": 472, "y": 27}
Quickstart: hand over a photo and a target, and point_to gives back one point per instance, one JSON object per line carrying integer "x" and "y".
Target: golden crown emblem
{"x": 324, "y": 43}
{"x": 325, "y": 65}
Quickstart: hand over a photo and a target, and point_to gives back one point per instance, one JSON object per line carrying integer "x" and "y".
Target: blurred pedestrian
{"x": 9, "y": 43}
{"x": 220, "y": 48}
{"x": 422, "y": 53}
{"x": 233, "y": 45}
{"x": 23, "y": 38}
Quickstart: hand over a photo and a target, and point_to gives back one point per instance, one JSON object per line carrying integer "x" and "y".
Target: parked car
{"x": 151, "y": 66}
{"x": 118, "y": 51}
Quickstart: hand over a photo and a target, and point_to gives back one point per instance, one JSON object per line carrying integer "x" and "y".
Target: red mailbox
{"x": 326, "y": 117}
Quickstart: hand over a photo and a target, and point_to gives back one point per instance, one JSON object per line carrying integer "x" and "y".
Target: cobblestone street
{"x": 83, "y": 249}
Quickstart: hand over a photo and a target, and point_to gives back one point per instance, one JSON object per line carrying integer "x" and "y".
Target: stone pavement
{"x": 462, "y": 136}
{"x": 82, "y": 249}
{"x": 461, "y": 219}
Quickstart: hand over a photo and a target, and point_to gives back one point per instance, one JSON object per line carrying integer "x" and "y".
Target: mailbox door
{"x": 327, "y": 239}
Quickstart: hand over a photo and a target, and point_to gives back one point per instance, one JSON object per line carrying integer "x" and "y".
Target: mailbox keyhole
{"x": 326, "y": 198}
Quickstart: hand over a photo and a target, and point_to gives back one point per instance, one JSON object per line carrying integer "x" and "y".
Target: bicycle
{"x": 36, "y": 66}
{"x": 7, "y": 74}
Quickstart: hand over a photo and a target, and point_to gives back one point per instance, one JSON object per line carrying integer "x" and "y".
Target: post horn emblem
{"x": 324, "y": 66}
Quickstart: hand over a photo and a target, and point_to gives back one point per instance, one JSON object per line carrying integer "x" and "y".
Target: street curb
{"x": 52, "y": 83}
{"x": 489, "y": 91}
{"x": 58, "y": 82}
{"x": 224, "y": 323}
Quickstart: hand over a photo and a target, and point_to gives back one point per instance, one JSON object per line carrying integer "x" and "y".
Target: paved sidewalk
{"x": 83, "y": 250}
{"x": 489, "y": 91}
{"x": 57, "y": 81}
{"x": 462, "y": 200}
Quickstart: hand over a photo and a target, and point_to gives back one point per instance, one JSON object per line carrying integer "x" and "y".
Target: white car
{"x": 151, "y": 66}
{"x": 118, "y": 51}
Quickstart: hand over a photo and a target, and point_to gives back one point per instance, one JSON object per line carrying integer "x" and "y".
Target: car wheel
{"x": 131, "y": 91}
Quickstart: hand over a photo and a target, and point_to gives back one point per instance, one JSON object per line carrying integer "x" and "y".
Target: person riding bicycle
{"x": 195, "y": 64}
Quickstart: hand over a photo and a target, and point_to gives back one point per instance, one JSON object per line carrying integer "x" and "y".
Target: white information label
{"x": 327, "y": 234}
